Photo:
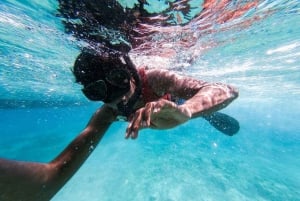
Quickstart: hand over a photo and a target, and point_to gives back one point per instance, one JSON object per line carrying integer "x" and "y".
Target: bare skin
{"x": 29, "y": 181}
{"x": 202, "y": 98}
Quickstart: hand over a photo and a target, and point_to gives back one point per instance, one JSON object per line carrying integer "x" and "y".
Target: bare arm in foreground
{"x": 29, "y": 181}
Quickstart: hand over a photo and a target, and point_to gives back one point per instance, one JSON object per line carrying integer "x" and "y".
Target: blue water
{"x": 42, "y": 110}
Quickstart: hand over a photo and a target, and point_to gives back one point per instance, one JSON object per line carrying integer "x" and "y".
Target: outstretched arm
{"x": 30, "y": 181}
{"x": 201, "y": 99}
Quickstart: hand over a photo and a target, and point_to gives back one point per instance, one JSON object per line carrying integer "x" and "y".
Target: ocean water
{"x": 42, "y": 110}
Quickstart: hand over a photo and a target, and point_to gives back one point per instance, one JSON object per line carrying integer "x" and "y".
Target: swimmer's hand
{"x": 161, "y": 114}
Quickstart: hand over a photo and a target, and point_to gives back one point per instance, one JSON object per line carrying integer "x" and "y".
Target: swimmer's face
{"x": 114, "y": 86}
{"x": 125, "y": 97}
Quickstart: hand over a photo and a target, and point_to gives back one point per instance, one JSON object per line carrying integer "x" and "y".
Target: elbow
{"x": 235, "y": 93}
{"x": 231, "y": 93}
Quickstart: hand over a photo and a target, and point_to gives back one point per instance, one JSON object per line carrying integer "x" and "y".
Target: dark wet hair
{"x": 91, "y": 66}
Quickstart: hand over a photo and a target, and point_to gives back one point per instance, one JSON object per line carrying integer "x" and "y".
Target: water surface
{"x": 42, "y": 109}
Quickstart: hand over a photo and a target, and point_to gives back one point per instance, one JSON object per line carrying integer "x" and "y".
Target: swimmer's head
{"x": 104, "y": 77}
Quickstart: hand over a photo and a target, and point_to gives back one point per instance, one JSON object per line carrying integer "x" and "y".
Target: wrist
{"x": 110, "y": 113}
{"x": 185, "y": 110}
{"x": 111, "y": 106}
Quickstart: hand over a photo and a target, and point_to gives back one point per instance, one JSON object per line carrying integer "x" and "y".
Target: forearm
{"x": 70, "y": 160}
{"x": 209, "y": 99}
{"x": 201, "y": 97}
{"x": 41, "y": 181}
{"x": 166, "y": 114}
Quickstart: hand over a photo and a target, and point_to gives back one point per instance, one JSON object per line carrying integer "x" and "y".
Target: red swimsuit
{"x": 148, "y": 95}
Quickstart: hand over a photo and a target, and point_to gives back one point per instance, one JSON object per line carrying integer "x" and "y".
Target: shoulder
{"x": 159, "y": 74}
{"x": 162, "y": 81}
{"x": 167, "y": 77}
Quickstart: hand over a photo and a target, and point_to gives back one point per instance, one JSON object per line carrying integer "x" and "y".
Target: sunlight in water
{"x": 253, "y": 45}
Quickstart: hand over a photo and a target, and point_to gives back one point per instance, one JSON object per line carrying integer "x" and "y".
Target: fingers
{"x": 141, "y": 119}
{"x": 134, "y": 125}
{"x": 128, "y": 131}
{"x": 146, "y": 121}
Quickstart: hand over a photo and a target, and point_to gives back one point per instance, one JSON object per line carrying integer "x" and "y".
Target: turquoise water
{"x": 42, "y": 109}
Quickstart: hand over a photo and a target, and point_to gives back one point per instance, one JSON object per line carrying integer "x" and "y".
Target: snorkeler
{"x": 150, "y": 98}
{"x": 146, "y": 98}
{"x": 155, "y": 99}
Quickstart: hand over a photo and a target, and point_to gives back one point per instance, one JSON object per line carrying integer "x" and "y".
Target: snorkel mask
{"x": 106, "y": 76}
{"x": 115, "y": 84}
